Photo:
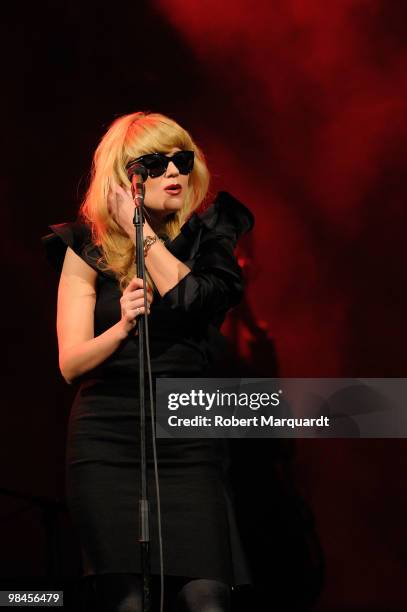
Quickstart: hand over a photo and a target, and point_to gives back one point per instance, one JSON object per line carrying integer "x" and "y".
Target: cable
{"x": 156, "y": 479}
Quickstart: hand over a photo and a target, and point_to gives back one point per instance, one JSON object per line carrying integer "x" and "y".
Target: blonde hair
{"x": 129, "y": 137}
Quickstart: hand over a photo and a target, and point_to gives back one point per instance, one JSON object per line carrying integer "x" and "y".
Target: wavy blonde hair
{"x": 129, "y": 137}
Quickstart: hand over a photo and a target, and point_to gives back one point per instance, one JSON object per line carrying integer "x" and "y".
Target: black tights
{"x": 123, "y": 593}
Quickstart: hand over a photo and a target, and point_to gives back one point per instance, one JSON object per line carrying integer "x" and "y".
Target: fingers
{"x": 135, "y": 288}
{"x": 133, "y": 313}
{"x": 132, "y": 301}
{"x": 111, "y": 203}
{"x": 122, "y": 191}
{"x": 117, "y": 193}
{"x": 134, "y": 283}
{"x": 129, "y": 315}
{"x": 130, "y": 304}
{"x": 138, "y": 294}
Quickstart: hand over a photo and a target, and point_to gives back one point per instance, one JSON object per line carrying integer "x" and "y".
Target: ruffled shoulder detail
{"x": 226, "y": 217}
{"x": 78, "y": 237}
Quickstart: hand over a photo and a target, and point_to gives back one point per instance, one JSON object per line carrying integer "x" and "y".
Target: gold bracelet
{"x": 148, "y": 243}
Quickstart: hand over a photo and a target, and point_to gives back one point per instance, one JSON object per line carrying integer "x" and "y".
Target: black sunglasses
{"x": 157, "y": 163}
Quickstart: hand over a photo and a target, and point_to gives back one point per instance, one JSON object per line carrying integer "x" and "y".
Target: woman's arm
{"x": 213, "y": 285}
{"x": 165, "y": 269}
{"x": 79, "y": 350}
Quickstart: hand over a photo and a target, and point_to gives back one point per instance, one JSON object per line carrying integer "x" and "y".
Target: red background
{"x": 300, "y": 108}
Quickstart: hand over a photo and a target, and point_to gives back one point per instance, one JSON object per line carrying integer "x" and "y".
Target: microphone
{"x": 135, "y": 168}
{"x": 137, "y": 174}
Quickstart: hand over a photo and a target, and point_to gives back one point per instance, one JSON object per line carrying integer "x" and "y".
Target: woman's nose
{"x": 172, "y": 169}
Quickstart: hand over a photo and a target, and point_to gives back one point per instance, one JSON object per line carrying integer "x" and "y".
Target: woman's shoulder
{"x": 227, "y": 215}
{"x": 74, "y": 234}
{"x": 226, "y": 218}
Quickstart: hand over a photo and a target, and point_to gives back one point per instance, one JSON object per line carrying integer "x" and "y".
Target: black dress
{"x": 200, "y": 536}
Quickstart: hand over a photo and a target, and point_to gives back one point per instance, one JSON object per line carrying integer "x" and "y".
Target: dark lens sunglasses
{"x": 157, "y": 163}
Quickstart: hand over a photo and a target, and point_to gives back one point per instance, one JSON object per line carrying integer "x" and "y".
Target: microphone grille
{"x": 133, "y": 168}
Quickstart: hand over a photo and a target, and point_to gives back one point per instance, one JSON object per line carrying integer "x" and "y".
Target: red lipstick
{"x": 173, "y": 189}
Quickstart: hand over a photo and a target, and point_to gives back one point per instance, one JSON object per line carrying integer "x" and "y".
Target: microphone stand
{"x": 144, "y": 533}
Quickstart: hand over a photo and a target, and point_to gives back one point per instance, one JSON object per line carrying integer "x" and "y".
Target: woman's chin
{"x": 174, "y": 202}
{"x": 170, "y": 209}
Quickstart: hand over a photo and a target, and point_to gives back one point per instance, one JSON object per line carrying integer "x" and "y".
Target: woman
{"x": 193, "y": 279}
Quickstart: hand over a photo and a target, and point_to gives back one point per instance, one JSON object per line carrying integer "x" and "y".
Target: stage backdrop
{"x": 300, "y": 109}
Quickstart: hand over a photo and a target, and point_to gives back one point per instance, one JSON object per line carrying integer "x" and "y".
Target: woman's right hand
{"x": 132, "y": 303}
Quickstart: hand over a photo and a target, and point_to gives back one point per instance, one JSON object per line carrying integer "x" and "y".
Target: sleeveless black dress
{"x": 199, "y": 531}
